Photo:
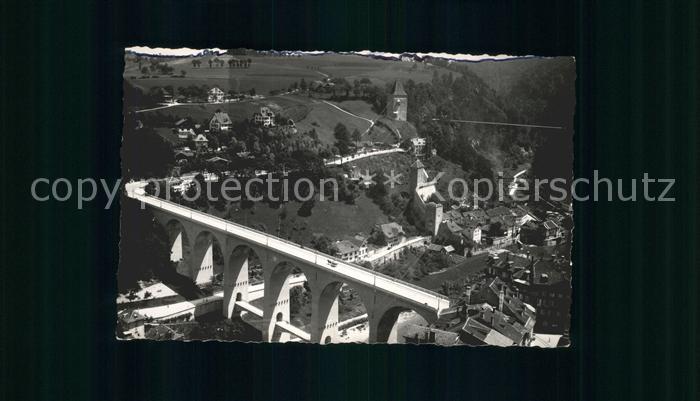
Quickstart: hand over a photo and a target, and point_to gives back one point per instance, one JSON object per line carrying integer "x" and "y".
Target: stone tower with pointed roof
{"x": 397, "y": 103}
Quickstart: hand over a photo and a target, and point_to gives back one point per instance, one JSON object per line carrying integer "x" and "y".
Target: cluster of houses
{"x": 216, "y": 95}
{"x": 483, "y": 229}
{"x": 213, "y": 95}
{"x": 186, "y": 130}
{"x": 266, "y": 118}
{"x": 491, "y": 314}
{"x": 495, "y": 315}
{"x": 542, "y": 283}
{"x": 358, "y": 249}
{"x": 486, "y": 229}
{"x": 547, "y": 232}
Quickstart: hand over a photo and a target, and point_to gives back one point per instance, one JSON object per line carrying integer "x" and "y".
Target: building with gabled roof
{"x": 393, "y": 233}
{"x": 418, "y": 146}
{"x": 351, "y": 251}
{"x": 477, "y": 333}
{"x": 265, "y": 117}
{"x": 553, "y": 232}
{"x": 220, "y": 122}
{"x": 497, "y": 294}
{"x": 201, "y": 142}
{"x": 482, "y": 319}
{"x": 215, "y": 95}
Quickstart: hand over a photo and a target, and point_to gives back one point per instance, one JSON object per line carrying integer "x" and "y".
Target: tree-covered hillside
{"x": 541, "y": 96}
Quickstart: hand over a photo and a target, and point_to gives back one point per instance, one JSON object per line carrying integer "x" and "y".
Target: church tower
{"x": 397, "y": 103}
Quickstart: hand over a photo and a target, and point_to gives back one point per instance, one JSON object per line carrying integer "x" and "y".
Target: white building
{"x": 216, "y": 95}
{"x": 265, "y": 117}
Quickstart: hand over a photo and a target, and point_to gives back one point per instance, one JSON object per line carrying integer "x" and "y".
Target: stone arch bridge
{"x": 195, "y": 235}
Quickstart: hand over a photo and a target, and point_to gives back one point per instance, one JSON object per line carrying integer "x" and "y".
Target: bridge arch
{"x": 329, "y": 306}
{"x": 243, "y": 268}
{"x": 384, "y": 327}
{"x": 180, "y": 245}
{"x": 277, "y": 301}
{"x": 207, "y": 257}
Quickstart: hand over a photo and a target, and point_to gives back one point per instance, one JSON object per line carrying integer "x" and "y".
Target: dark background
{"x": 634, "y": 327}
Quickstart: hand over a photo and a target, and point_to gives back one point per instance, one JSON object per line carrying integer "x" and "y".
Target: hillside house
{"x": 418, "y": 146}
{"x": 553, "y": 232}
{"x": 393, "y": 233}
{"x": 201, "y": 142}
{"x": 265, "y": 117}
{"x": 351, "y": 251}
{"x": 215, "y": 95}
{"x": 220, "y": 122}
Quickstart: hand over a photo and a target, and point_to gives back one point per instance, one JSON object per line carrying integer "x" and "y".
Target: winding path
{"x": 371, "y": 122}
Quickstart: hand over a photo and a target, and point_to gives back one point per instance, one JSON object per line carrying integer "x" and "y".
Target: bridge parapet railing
{"x": 354, "y": 271}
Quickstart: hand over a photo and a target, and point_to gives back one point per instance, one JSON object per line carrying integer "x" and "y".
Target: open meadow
{"x": 269, "y": 73}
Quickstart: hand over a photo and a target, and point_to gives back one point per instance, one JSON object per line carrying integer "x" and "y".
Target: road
{"x": 387, "y": 250}
{"x": 358, "y": 156}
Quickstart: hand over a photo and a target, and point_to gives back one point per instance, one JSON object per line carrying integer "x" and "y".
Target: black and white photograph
{"x": 364, "y": 197}
{"x": 349, "y": 201}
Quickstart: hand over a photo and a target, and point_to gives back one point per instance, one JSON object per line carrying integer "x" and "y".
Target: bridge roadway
{"x": 412, "y": 294}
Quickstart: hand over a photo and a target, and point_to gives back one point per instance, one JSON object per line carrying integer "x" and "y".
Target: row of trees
{"x": 341, "y": 89}
{"x": 157, "y": 68}
{"x": 217, "y": 62}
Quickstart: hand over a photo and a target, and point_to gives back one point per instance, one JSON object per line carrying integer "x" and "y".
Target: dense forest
{"x": 540, "y": 92}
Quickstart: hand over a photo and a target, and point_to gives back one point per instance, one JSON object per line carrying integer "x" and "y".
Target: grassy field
{"x": 358, "y": 107}
{"x": 336, "y": 220}
{"x": 401, "y": 162}
{"x": 323, "y": 118}
{"x": 268, "y": 73}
